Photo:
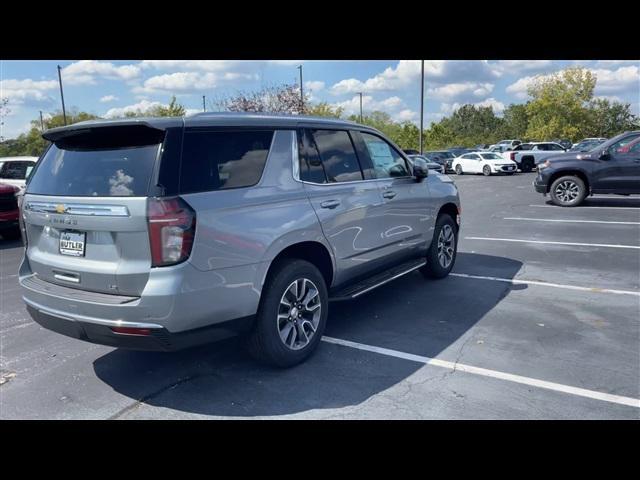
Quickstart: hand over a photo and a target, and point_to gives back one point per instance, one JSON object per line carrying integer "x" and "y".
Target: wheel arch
{"x": 574, "y": 172}
{"x": 312, "y": 251}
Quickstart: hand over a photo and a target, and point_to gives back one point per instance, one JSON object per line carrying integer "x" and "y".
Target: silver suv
{"x": 158, "y": 234}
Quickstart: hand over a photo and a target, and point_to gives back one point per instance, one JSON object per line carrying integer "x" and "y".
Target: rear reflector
{"x": 131, "y": 330}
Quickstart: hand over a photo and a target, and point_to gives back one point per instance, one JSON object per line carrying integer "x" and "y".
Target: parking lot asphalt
{"x": 539, "y": 320}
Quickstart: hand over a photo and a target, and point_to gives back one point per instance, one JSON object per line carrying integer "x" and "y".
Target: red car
{"x": 9, "y": 212}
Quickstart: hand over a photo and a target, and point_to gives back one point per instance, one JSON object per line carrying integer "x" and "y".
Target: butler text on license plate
{"x": 72, "y": 243}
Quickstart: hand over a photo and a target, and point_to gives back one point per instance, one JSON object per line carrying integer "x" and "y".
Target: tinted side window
{"x": 387, "y": 162}
{"x": 338, "y": 155}
{"x": 613, "y": 149}
{"x": 217, "y": 160}
{"x": 311, "y": 169}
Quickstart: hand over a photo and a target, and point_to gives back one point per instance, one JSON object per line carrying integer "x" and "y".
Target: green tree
{"x": 324, "y": 109}
{"x": 608, "y": 119}
{"x": 515, "y": 122}
{"x": 559, "y": 106}
{"x": 174, "y": 109}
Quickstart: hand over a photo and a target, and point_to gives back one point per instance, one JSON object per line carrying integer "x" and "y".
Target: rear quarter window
{"x": 218, "y": 160}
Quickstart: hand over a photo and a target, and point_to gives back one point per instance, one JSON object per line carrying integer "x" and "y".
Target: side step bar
{"x": 360, "y": 288}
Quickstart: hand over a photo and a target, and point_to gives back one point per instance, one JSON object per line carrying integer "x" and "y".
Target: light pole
{"x": 204, "y": 109}
{"x": 41, "y": 122}
{"x": 301, "y": 91}
{"x": 360, "y": 93}
{"x": 64, "y": 112}
{"x": 421, "y": 105}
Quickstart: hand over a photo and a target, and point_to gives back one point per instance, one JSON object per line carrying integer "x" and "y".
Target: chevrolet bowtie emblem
{"x": 60, "y": 209}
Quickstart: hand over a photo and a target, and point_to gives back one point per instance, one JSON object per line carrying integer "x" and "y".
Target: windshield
{"x": 121, "y": 172}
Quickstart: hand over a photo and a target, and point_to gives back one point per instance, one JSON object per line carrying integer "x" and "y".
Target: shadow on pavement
{"x": 410, "y": 314}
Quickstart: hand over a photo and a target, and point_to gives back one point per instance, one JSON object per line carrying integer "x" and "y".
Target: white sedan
{"x": 483, "y": 162}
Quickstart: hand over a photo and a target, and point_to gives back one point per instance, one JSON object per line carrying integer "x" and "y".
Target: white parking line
{"x": 568, "y": 221}
{"x": 547, "y": 284}
{"x": 587, "y": 208}
{"x": 533, "y": 382}
{"x": 553, "y": 243}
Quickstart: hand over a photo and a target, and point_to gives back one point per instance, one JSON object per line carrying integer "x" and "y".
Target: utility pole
{"x": 301, "y": 91}
{"x": 360, "y": 93}
{"x": 421, "y": 105}
{"x": 204, "y": 109}
{"x": 41, "y": 122}
{"x": 64, "y": 112}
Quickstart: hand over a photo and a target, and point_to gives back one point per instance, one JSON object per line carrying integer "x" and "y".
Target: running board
{"x": 360, "y": 288}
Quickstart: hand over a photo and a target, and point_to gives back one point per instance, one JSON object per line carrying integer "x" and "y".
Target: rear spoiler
{"x": 101, "y": 127}
{"x": 107, "y": 135}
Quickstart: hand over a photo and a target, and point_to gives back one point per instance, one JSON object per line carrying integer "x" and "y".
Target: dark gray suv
{"x": 159, "y": 234}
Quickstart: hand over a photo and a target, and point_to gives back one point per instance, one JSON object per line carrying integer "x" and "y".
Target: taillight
{"x": 172, "y": 228}
{"x": 512, "y": 156}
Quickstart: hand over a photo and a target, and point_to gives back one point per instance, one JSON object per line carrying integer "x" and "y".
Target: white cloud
{"x": 27, "y": 90}
{"x": 516, "y": 67}
{"x": 143, "y": 106}
{"x": 460, "y": 90}
{"x": 85, "y": 72}
{"x": 406, "y": 74}
{"x": 623, "y": 79}
{"x": 108, "y": 98}
{"x": 186, "y": 82}
{"x": 406, "y": 115}
{"x": 520, "y": 87}
{"x": 314, "y": 85}
{"x": 352, "y": 106}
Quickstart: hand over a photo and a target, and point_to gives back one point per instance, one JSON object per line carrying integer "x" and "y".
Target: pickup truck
{"x": 529, "y": 155}
{"x": 611, "y": 168}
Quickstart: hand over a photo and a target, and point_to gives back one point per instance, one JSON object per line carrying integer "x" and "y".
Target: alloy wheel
{"x": 567, "y": 191}
{"x": 299, "y": 313}
{"x": 446, "y": 245}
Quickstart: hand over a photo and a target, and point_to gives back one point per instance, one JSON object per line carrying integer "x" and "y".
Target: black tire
{"x": 433, "y": 268}
{"x": 486, "y": 171}
{"x": 526, "y": 166}
{"x": 264, "y": 342}
{"x": 459, "y": 170}
{"x": 12, "y": 234}
{"x": 568, "y": 191}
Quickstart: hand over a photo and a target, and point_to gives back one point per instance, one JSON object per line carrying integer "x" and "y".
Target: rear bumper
{"x": 180, "y": 305}
{"x": 156, "y": 338}
{"x": 9, "y": 220}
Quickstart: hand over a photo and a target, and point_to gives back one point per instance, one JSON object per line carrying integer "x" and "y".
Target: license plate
{"x": 72, "y": 243}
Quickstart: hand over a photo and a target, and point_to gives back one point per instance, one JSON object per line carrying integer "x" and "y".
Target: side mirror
{"x": 604, "y": 155}
{"x": 420, "y": 169}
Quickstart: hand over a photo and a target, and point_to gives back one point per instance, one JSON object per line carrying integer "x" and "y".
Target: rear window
{"x": 218, "y": 160}
{"x": 110, "y": 172}
{"x": 18, "y": 170}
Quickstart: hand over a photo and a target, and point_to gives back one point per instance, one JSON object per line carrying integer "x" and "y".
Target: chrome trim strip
{"x": 389, "y": 279}
{"x": 78, "y": 209}
{"x": 97, "y": 321}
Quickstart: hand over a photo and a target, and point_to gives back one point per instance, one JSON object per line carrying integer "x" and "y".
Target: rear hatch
{"x": 85, "y": 208}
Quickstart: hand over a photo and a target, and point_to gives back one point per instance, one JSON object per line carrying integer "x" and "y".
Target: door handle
{"x": 330, "y": 203}
{"x": 389, "y": 194}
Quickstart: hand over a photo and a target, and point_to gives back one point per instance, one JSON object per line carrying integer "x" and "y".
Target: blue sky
{"x": 109, "y": 88}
